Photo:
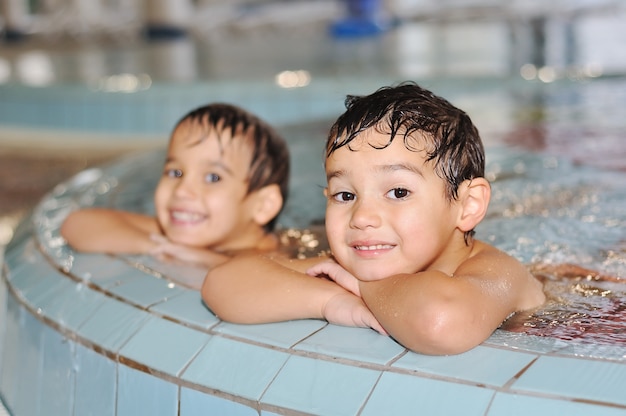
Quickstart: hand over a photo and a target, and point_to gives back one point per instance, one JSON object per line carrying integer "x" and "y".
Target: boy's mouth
{"x": 374, "y": 247}
{"x": 186, "y": 216}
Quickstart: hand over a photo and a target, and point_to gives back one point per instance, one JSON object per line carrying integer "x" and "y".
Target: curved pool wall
{"x": 97, "y": 334}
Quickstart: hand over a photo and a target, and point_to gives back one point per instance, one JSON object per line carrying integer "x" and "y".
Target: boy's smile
{"x": 387, "y": 212}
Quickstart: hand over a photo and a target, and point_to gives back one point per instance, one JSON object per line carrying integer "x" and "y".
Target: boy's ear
{"x": 269, "y": 202}
{"x": 474, "y": 196}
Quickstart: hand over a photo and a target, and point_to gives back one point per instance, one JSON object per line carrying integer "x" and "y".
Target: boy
{"x": 405, "y": 191}
{"x": 224, "y": 183}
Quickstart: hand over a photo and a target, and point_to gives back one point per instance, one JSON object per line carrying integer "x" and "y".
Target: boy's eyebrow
{"x": 335, "y": 174}
{"x": 400, "y": 166}
{"x": 382, "y": 168}
{"x": 210, "y": 163}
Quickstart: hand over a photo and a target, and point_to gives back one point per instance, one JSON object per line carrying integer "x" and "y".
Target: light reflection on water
{"x": 578, "y": 309}
{"x": 549, "y": 211}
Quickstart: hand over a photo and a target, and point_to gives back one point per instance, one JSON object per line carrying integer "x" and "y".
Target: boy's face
{"x": 386, "y": 210}
{"x": 201, "y": 199}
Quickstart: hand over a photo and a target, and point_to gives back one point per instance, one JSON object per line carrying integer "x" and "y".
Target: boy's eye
{"x": 173, "y": 173}
{"x": 344, "y": 196}
{"x": 398, "y": 193}
{"x": 212, "y": 177}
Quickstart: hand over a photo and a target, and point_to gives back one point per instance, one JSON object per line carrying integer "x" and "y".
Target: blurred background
{"x": 84, "y": 81}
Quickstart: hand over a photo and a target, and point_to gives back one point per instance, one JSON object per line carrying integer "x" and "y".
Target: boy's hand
{"x": 348, "y": 310}
{"x": 338, "y": 274}
{"x": 165, "y": 249}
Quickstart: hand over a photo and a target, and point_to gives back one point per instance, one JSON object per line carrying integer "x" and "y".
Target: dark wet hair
{"x": 270, "y": 155}
{"x": 448, "y": 136}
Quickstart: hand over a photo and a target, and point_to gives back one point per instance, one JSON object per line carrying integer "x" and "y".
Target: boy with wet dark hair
{"x": 405, "y": 190}
{"x": 224, "y": 182}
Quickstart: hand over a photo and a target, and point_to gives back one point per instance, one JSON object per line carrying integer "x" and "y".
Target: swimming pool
{"x": 124, "y": 335}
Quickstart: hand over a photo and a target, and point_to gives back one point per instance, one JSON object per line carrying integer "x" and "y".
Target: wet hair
{"x": 270, "y": 155}
{"x": 425, "y": 122}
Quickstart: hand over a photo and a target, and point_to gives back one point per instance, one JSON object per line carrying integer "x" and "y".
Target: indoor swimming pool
{"x": 126, "y": 335}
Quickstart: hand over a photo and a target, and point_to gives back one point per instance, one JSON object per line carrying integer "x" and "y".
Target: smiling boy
{"x": 406, "y": 188}
{"x": 224, "y": 182}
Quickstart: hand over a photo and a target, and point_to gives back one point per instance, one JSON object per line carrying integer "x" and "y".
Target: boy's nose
{"x": 365, "y": 214}
{"x": 184, "y": 188}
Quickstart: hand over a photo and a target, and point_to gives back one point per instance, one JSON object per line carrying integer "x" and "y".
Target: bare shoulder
{"x": 499, "y": 273}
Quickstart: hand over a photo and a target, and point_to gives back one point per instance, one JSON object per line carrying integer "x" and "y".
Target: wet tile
{"x": 112, "y": 324}
{"x": 159, "y": 345}
{"x": 22, "y": 360}
{"x": 96, "y": 383}
{"x": 505, "y": 404}
{"x": 402, "y": 394}
{"x": 280, "y": 334}
{"x": 187, "y": 307}
{"x": 102, "y": 270}
{"x": 600, "y": 381}
{"x": 72, "y": 306}
{"x": 235, "y": 367}
{"x": 139, "y": 393}
{"x": 195, "y": 403}
{"x": 321, "y": 387}
{"x": 57, "y": 377}
{"x": 362, "y": 344}
{"x": 145, "y": 290}
{"x": 482, "y": 365}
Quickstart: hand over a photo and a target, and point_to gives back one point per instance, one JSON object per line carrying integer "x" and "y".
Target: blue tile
{"x": 187, "y": 275}
{"x": 71, "y": 305}
{"x": 3, "y": 313}
{"x": 23, "y": 274}
{"x": 321, "y": 387}
{"x": 362, "y": 344}
{"x": 145, "y": 290}
{"x": 57, "y": 378}
{"x": 279, "y": 334}
{"x": 139, "y": 393}
{"x": 520, "y": 405}
{"x": 235, "y": 367}
{"x": 18, "y": 251}
{"x": 23, "y": 359}
{"x": 102, "y": 270}
{"x": 112, "y": 324}
{"x": 96, "y": 383}
{"x": 48, "y": 286}
{"x": 402, "y": 394}
{"x": 195, "y": 403}
{"x": 576, "y": 378}
{"x": 483, "y": 365}
{"x": 188, "y": 308}
{"x": 164, "y": 345}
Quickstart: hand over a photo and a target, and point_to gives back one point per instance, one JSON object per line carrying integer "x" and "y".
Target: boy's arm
{"x": 109, "y": 231}
{"x": 165, "y": 249}
{"x": 260, "y": 289}
{"x": 433, "y": 313}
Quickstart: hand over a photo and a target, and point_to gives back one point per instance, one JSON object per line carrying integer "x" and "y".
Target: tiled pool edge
{"x": 63, "y": 322}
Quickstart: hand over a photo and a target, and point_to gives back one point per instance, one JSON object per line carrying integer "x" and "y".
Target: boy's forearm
{"x": 257, "y": 289}
{"x": 103, "y": 231}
